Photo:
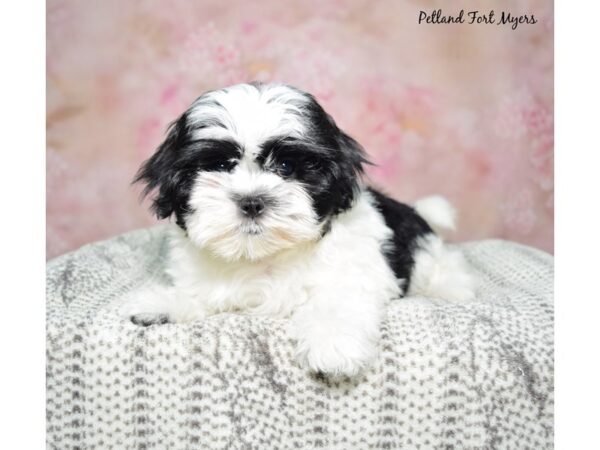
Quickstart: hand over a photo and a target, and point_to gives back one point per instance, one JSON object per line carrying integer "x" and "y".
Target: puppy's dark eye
{"x": 285, "y": 167}
{"x": 221, "y": 166}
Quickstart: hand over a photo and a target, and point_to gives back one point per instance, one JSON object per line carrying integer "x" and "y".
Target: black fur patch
{"x": 407, "y": 226}
{"x": 336, "y": 191}
{"x": 329, "y": 173}
{"x": 173, "y": 168}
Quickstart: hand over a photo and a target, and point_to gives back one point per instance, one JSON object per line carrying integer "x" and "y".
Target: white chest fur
{"x": 347, "y": 261}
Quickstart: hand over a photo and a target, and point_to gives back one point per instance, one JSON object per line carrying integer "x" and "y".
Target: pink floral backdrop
{"x": 461, "y": 110}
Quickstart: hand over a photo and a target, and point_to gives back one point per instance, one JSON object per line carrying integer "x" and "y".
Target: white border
{"x": 22, "y": 239}
{"x": 577, "y": 225}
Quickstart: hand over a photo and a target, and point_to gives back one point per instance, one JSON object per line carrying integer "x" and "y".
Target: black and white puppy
{"x": 273, "y": 218}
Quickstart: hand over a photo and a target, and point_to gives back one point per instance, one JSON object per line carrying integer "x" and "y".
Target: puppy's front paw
{"x": 145, "y": 320}
{"x": 336, "y": 355}
{"x": 160, "y": 305}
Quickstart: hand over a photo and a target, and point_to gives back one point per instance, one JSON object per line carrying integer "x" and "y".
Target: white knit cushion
{"x": 450, "y": 375}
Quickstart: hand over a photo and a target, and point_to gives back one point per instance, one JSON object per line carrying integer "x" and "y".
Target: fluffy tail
{"x": 439, "y": 271}
{"x": 437, "y": 212}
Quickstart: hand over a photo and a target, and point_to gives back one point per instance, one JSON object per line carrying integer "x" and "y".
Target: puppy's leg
{"x": 440, "y": 272}
{"x": 338, "y": 334}
{"x": 155, "y": 306}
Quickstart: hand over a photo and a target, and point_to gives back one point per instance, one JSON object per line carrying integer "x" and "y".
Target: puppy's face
{"x": 253, "y": 169}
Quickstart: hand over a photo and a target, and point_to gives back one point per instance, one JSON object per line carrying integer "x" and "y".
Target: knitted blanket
{"x": 450, "y": 375}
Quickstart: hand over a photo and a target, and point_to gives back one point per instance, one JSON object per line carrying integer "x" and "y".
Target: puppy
{"x": 273, "y": 218}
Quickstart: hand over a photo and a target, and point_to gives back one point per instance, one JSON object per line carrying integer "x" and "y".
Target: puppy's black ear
{"x": 349, "y": 170}
{"x": 356, "y": 155}
{"x": 160, "y": 173}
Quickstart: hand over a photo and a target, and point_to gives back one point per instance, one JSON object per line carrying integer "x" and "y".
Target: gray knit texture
{"x": 475, "y": 375}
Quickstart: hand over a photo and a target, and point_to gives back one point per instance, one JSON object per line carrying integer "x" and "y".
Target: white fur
{"x": 437, "y": 212}
{"x": 440, "y": 272}
{"x": 218, "y": 225}
{"x": 250, "y": 115}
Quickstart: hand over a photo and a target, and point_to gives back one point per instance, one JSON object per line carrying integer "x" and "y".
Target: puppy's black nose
{"x": 252, "y": 206}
